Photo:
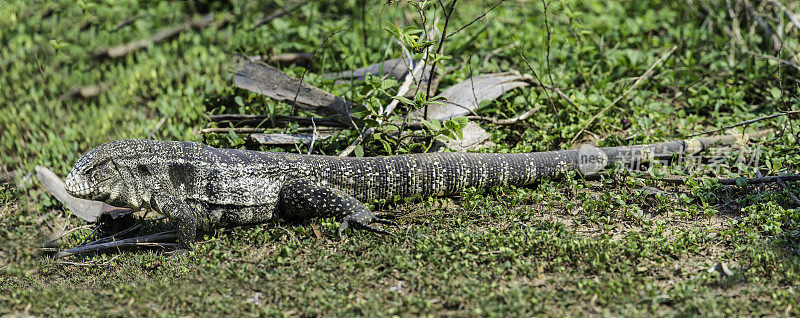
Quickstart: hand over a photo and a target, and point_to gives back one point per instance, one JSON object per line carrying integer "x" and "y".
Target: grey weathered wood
{"x": 464, "y": 97}
{"x": 124, "y": 49}
{"x": 394, "y": 68}
{"x": 266, "y": 80}
{"x": 87, "y": 210}
{"x": 241, "y": 120}
{"x": 286, "y": 139}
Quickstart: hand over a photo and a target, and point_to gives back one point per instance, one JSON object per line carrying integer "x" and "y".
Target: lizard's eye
{"x": 108, "y": 168}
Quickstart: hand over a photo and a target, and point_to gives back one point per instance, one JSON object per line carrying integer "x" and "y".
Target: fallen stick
{"x": 557, "y": 91}
{"x": 157, "y": 240}
{"x": 639, "y": 81}
{"x": 89, "y": 264}
{"x": 122, "y": 50}
{"x": 269, "y": 122}
{"x": 157, "y": 127}
{"x": 732, "y": 181}
{"x": 786, "y": 187}
{"x": 747, "y": 122}
{"x": 269, "y": 81}
{"x": 289, "y": 7}
{"x": 243, "y": 130}
{"x": 508, "y": 121}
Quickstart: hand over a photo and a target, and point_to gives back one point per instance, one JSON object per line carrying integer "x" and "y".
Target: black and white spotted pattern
{"x": 205, "y": 187}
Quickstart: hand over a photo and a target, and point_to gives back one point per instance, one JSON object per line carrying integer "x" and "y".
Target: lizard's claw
{"x": 354, "y": 221}
{"x": 384, "y": 221}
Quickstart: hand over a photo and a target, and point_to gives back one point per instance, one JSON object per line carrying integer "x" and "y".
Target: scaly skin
{"x": 201, "y": 187}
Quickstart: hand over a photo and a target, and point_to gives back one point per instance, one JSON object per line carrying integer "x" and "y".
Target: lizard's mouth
{"x": 77, "y": 186}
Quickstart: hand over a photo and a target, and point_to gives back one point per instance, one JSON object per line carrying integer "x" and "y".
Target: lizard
{"x": 200, "y": 187}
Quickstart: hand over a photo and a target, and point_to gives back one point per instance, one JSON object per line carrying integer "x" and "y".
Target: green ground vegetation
{"x": 567, "y": 246}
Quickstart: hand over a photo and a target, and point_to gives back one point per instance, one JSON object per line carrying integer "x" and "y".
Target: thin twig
{"x": 639, "y": 80}
{"x": 291, "y": 235}
{"x": 747, "y": 122}
{"x": 438, "y": 52}
{"x": 68, "y": 232}
{"x": 791, "y": 194}
{"x": 476, "y": 19}
{"x": 777, "y": 59}
{"x": 508, "y": 121}
{"x": 305, "y": 69}
{"x": 538, "y": 79}
{"x": 157, "y": 127}
{"x": 758, "y": 180}
{"x": 549, "y": 34}
{"x": 558, "y": 92}
{"x": 289, "y": 7}
{"x": 88, "y": 264}
{"x": 122, "y": 50}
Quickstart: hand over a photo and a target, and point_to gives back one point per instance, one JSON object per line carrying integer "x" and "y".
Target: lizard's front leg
{"x": 302, "y": 199}
{"x": 182, "y": 214}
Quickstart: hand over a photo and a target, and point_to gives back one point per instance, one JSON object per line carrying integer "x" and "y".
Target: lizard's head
{"x": 97, "y": 177}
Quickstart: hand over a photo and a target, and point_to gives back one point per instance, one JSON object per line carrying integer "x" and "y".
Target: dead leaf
{"x": 317, "y": 233}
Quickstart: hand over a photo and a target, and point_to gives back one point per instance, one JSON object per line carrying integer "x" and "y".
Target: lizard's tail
{"x": 448, "y": 173}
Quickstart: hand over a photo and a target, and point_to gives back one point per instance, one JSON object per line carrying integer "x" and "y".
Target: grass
{"x": 567, "y": 246}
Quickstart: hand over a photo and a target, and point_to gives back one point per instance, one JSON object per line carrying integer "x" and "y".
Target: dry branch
{"x": 508, "y": 121}
{"x": 288, "y": 139}
{"x": 269, "y": 122}
{"x": 784, "y": 178}
{"x": 122, "y": 50}
{"x": 289, "y": 7}
{"x": 747, "y": 122}
{"x": 266, "y": 80}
